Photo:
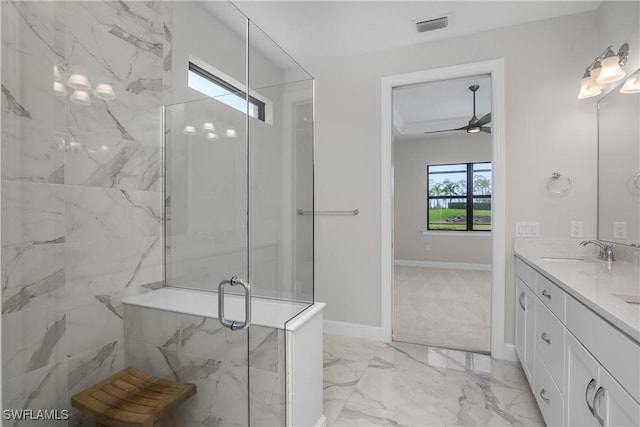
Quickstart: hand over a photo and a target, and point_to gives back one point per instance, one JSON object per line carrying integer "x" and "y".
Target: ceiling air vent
{"x": 432, "y": 24}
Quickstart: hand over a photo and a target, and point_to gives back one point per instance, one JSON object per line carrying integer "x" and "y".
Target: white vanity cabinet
{"x": 582, "y": 370}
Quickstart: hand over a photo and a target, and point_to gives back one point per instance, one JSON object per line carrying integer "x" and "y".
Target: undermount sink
{"x": 562, "y": 258}
{"x": 629, "y": 299}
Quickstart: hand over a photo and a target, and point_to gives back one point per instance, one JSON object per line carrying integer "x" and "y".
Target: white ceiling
{"x": 446, "y": 104}
{"x": 313, "y": 31}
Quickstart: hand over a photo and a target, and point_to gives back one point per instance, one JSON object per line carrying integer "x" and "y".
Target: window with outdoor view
{"x": 459, "y": 197}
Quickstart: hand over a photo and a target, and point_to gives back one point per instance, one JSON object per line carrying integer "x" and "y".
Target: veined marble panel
{"x": 27, "y": 88}
{"x": 31, "y": 150}
{"x": 222, "y": 394}
{"x": 43, "y": 388}
{"x": 32, "y": 213}
{"x": 112, "y": 265}
{"x": 83, "y": 322}
{"x": 266, "y": 349}
{"x": 32, "y": 338}
{"x": 160, "y": 328}
{"x": 156, "y": 360}
{"x": 32, "y": 275}
{"x": 267, "y": 398}
{"x": 206, "y": 337}
{"x": 95, "y": 365}
{"x": 102, "y": 214}
{"x": 104, "y": 161}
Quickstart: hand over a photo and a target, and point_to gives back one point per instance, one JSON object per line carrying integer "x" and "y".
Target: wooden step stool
{"x": 132, "y": 398}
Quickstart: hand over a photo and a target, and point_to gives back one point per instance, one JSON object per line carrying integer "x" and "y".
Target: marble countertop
{"x": 592, "y": 282}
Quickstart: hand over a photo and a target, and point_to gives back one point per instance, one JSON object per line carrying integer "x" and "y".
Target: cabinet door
{"x": 582, "y": 383}
{"x": 621, "y": 409}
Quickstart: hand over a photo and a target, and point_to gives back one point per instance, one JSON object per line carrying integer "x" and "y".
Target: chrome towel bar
{"x": 353, "y": 212}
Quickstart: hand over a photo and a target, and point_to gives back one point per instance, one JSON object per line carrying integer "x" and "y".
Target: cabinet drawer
{"x": 551, "y": 295}
{"x": 549, "y": 336}
{"x": 614, "y": 350}
{"x": 526, "y": 273}
{"x": 548, "y": 396}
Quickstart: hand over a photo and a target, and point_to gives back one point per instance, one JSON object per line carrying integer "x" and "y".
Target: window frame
{"x": 469, "y": 196}
{"x": 261, "y": 106}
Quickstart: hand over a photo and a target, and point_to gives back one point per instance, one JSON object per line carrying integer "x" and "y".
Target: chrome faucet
{"x": 606, "y": 251}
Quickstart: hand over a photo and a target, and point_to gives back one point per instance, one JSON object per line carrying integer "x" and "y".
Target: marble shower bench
{"x": 175, "y": 334}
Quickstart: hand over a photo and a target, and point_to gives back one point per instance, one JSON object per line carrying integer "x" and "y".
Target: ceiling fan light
{"x": 611, "y": 70}
{"x": 474, "y": 129}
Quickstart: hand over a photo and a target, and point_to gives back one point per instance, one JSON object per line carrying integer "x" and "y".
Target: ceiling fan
{"x": 475, "y": 125}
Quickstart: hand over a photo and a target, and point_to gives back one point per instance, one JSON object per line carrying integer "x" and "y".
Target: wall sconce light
{"x": 104, "y": 91}
{"x": 605, "y": 69}
{"x": 230, "y": 133}
{"x": 632, "y": 85}
{"x": 80, "y": 97}
{"x": 189, "y": 130}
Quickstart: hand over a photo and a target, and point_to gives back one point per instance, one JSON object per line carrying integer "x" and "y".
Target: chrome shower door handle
{"x": 234, "y": 325}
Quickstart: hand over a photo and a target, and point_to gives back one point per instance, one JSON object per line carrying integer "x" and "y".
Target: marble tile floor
{"x": 370, "y": 383}
{"x": 442, "y": 307}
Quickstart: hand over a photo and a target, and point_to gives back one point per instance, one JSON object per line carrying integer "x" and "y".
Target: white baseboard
{"x": 353, "y": 330}
{"x": 322, "y": 422}
{"x": 446, "y": 265}
{"x": 510, "y": 352}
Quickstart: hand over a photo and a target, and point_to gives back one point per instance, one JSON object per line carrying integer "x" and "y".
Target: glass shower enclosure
{"x": 238, "y": 156}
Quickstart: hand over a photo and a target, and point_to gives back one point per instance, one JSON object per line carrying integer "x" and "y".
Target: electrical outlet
{"x": 527, "y": 229}
{"x": 577, "y": 229}
{"x": 619, "y": 230}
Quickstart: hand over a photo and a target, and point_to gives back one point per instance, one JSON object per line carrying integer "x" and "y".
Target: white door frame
{"x": 496, "y": 69}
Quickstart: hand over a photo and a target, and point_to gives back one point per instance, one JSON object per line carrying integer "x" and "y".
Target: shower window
{"x": 216, "y": 87}
{"x": 459, "y": 197}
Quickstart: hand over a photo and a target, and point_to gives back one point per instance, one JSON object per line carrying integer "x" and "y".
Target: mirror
{"x": 619, "y": 168}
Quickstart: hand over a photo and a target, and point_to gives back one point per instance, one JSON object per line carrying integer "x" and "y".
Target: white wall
{"x": 547, "y": 130}
{"x": 410, "y": 159}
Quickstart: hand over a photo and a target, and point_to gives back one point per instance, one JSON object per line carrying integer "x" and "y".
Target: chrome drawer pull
{"x": 520, "y": 301}
{"x": 586, "y": 395}
{"x": 596, "y": 398}
{"x": 546, "y": 294}
{"x": 545, "y": 338}
{"x": 542, "y": 393}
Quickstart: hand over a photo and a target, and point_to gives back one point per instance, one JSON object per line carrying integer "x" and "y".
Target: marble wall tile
{"x": 103, "y": 161}
{"x": 206, "y": 337}
{"x": 33, "y": 27}
{"x": 156, "y": 360}
{"x": 32, "y": 213}
{"x": 95, "y": 365}
{"x": 156, "y": 327}
{"x": 99, "y": 214}
{"x": 221, "y": 399}
{"x": 266, "y": 349}
{"x": 114, "y": 265}
{"x": 43, "y": 388}
{"x": 32, "y": 275}
{"x": 83, "y": 322}
{"x": 32, "y": 150}
{"x": 32, "y": 338}
{"x": 267, "y": 404}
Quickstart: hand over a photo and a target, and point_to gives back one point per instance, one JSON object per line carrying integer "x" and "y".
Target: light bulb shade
{"x": 189, "y": 130}
{"x": 80, "y": 97}
{"x": 104, "y": 91}
{"x": 231, "y": 133}
{"x": 208, "y": 127}
{"x": 474, "y": 129}
{"x": 585, "y": 91}
{"x": 59, "y": 89}
{"x": 79, "y": 81}
{"x": 611, "y": 70}
{"x": 632, "y": 85}
{"x": 592, "y": 83}
{"x": 212, "y": 135}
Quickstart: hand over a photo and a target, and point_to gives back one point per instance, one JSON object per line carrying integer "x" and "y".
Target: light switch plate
{"x": 527, "y": 229}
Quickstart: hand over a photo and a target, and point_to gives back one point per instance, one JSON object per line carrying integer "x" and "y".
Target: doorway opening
{"x": 493, "y": 70}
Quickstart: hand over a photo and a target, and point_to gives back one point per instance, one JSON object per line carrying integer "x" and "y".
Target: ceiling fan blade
{"x": 446, "y": 130}
{"x": 484, "y": 119}
{"x": 486, "y": 129}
